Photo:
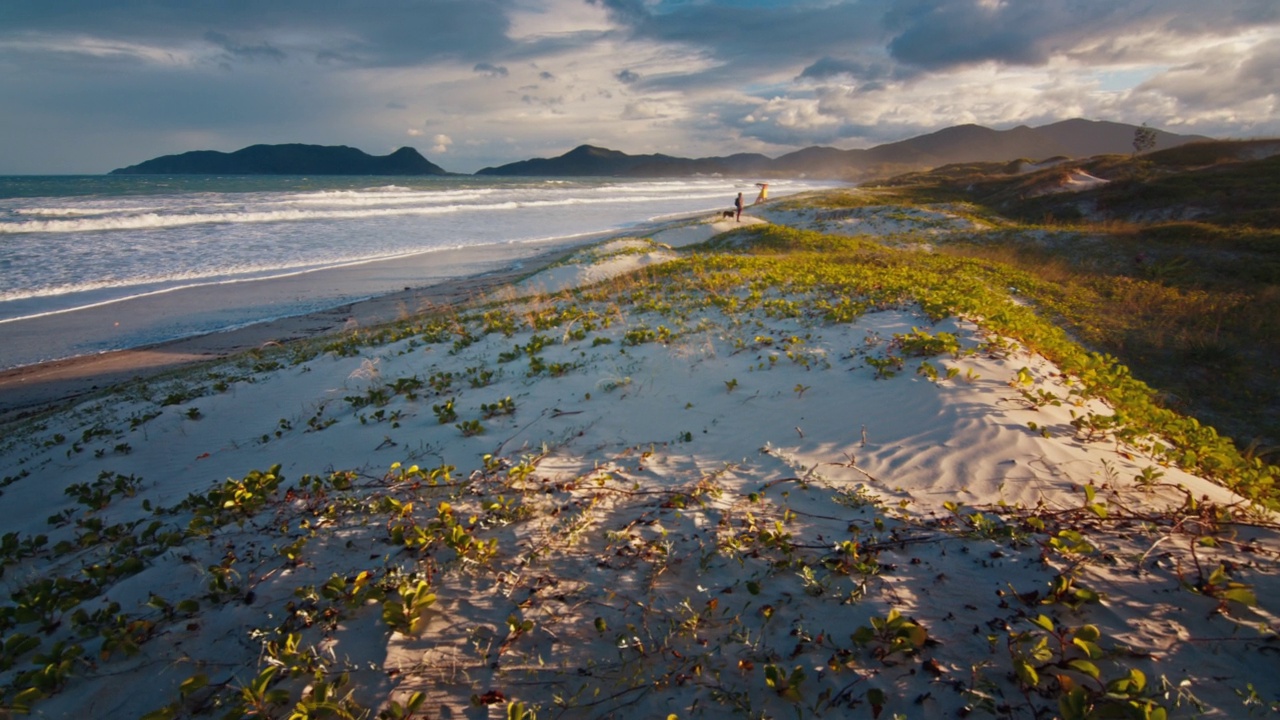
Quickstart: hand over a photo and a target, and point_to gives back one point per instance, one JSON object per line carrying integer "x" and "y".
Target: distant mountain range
{"x": 587, "y": 160}
{"x": 960, "y": 144}
{"x": 292, "y": 159}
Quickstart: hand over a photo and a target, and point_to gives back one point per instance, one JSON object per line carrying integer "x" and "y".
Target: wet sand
{"x": 31, "y": 389}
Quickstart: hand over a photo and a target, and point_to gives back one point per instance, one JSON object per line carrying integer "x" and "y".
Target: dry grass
{"x": 1212, "y": 350}
{"x": 1173, "y": 267}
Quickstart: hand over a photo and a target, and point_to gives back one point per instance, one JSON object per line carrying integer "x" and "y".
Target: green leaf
{"x": 192, "y": 684}
{"x": 24, "y": 699}
{"x": 1074, "y": 705}
{"x": 876, "y": 698}
{"x": 1137, "y": 679}
{"x": 916, "y": 635}
{"x": 1044, "y": 622}
{"x": 1088, "y": 633}
{"x": 1086, "y": 667}
{"x": 1242, "y": 595}
{"x": 1027, "y": 675}
{"x": 1085, "y": 595}
{"x": 863, "y": 635}
{"x": 1090, "y": 649}
{"x": 1218, "y": 576}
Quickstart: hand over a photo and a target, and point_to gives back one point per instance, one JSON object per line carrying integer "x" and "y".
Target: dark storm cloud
{"x": 491, "y": 70}
{"x": 940, "y": 34}
{"x": 261, "y": 51}
{"x": 866, "y": 74}
{"x": 920, "y": 35}
{"x": 746, "y": 40}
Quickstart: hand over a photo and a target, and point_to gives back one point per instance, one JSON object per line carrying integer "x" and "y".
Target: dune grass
{"x": 1173, "y": 267}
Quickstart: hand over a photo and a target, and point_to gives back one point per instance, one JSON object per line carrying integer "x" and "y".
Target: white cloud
{"x": 543, "y": 18}
{"x": 103, "y": 48}
{"x": 442, "y": 143}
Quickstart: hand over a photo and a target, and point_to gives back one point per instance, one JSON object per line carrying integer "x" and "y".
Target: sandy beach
{"x": 429, "y": 280}
{"x": 686, "y": 473}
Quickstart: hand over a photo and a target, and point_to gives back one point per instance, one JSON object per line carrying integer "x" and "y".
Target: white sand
{"x": 667, "y": 518}
{"x": 1075, "y": 180}
{"x": 621, "y": 256}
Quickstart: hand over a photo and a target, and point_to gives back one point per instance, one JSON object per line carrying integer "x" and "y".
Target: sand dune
{"x": 694, "y": 497}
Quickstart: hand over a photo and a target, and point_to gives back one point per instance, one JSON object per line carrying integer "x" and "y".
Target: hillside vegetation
{"x": 1169, "y": 261}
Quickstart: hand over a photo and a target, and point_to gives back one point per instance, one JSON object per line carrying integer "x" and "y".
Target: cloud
{"x": 373, "y": 34}
{"x": 1222, "y": 77}
{"x": 241, "y": 51}
{"x": 645, "y": 109}
{"x": 442, "y": 143}
{"x": 941, "y": 34}
{"x": 493, "y": 71}
{"x": 708, "y": 76}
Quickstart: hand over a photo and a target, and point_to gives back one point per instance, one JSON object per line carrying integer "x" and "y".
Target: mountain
{"x": 588, "y": 160}
{"x": 972, "y": 143}
{"x": 958, "y": 144}
{"x": 291, "y": 159}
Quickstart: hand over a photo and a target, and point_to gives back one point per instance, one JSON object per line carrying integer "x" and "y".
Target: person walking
{"x": 738, "y": 204}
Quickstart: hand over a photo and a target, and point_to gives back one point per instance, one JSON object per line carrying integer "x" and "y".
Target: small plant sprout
{"x": 787, "y": 685}
{"x": 445, "y": 412}
{"x": 891, "y": 635}
{"x": 800, "y": 389}
{"x": 731, "y": 385}
{"x": 470, "y": 428}
{"x": 1149, "y": 477}
{"x": 505, "y": 406}
{"x": 405, "y": 613}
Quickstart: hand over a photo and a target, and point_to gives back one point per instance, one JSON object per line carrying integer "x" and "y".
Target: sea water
{"x": 68, "y": 244}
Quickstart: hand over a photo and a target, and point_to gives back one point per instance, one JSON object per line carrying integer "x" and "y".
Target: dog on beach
{"x": 727, "y": 214}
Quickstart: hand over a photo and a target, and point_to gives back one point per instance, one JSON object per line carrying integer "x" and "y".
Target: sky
{"x": 91, "y": 85}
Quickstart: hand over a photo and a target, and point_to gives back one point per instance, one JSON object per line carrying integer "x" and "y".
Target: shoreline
{"x": 466, "y": 274}
{"x": 29, "y": 390}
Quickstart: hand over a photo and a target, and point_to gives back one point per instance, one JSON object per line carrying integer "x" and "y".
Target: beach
{"x": 700, "y": 470}
{"x": 428, "y": 280}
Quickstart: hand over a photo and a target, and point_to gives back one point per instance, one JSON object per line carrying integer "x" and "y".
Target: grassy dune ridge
{"x": 1172, "y": 266}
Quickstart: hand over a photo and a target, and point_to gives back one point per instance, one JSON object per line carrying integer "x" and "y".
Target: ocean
{"x": 75, "y": 244}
